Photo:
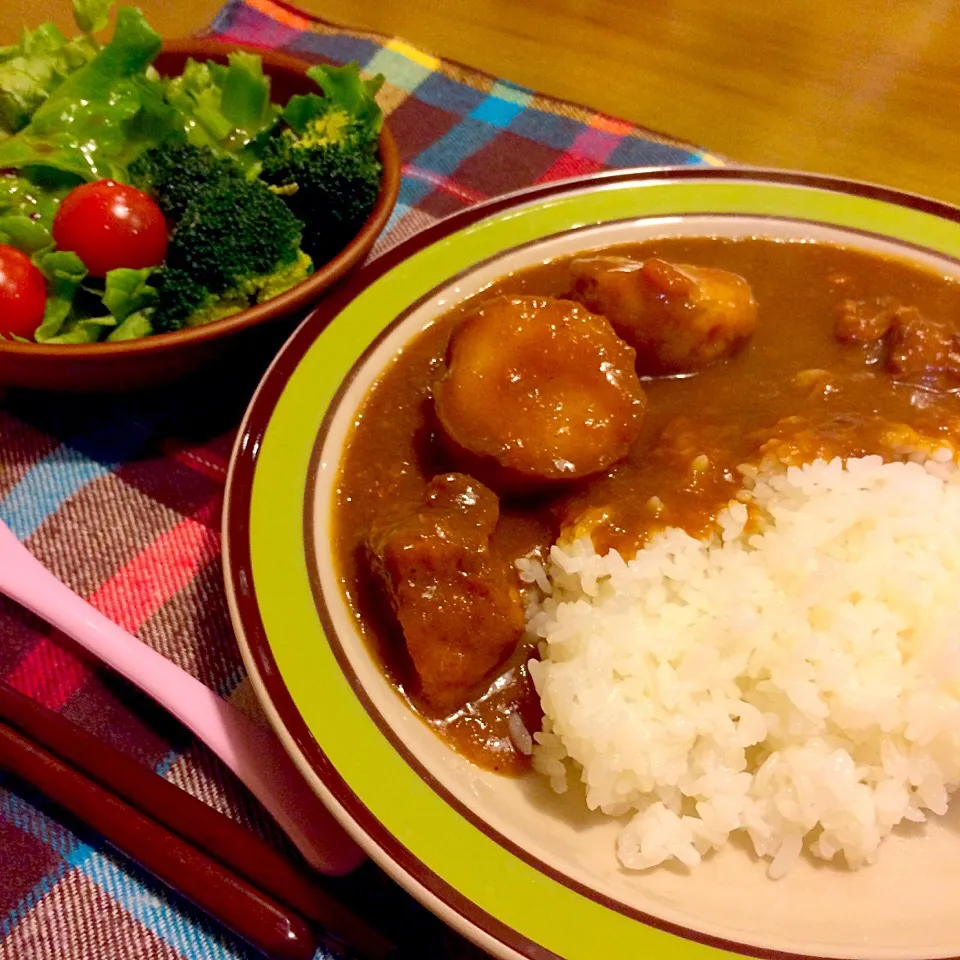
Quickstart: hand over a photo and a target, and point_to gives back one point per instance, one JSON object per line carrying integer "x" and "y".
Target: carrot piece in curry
{"x": 457, "y": 603}
{"x": 679, "y": 318}
{"x": 538, "y": 390}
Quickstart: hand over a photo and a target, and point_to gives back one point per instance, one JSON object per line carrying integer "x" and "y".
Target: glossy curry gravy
{"x": 794, "y": 392}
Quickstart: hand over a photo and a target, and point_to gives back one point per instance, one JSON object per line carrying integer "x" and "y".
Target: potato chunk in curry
{"x": 679, "y": 318}
{"x": 457, "y": 603}
{"x": 537, "y": 390}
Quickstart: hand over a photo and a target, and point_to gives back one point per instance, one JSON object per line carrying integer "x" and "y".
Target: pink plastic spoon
{"x": 251, "y": 751}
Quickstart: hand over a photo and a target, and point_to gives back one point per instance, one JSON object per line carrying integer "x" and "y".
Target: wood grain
{"x": 862, "y": 88}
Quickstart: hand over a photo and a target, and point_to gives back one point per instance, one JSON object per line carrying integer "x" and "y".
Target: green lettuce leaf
{"x": 15, "y": 195}
{"x": 81, "y": 330}
{"x": 33, "y": 195}
{"x": 127, "y": 291}
{"x": 103, "y": 115}
{"x": 245, "y": 100}
{"x": 302, "y": 109}
{"x": 135, "y": 327}
{"x": 344, "y": 87}
{"x": 197, "y": 100}
{"x": 30, "y": 236}
{"x": 91, "y": 15}
{"x": 63, "y": 269}
{"x": 64, "y": 272}
{"x": 223, "y": 107}
{"x": 345, "y": 94}
{"x": 54, "y": 317}
{"x": 73, "y": 313}
{"x": 29, "y": 73}
{"x": 32, "y": 69}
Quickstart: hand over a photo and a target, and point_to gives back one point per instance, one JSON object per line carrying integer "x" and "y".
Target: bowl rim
{"x": 287, "y": 302}
{"x": 258, "y": 657}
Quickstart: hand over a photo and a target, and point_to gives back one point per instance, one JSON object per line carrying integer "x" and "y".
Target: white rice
{"x": 800, "y": 684}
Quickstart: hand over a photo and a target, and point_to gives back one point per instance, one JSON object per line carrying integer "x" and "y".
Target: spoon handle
{"x": 251, "y": 751}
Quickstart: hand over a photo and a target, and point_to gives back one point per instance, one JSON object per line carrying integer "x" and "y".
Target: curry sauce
{"x": 795, "y": 391}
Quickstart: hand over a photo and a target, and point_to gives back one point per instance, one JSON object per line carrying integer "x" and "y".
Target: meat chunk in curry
{"x": 457, "y": 603}
{"x": 915, "y": 348}
{"x": 537, "y": 390}
{"x": 925, "y": 351}
{"x": 865, "y": 322}
{"x": 679, "y": 318}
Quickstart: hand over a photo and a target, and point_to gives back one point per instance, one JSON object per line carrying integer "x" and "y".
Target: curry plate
{"x": 520, "y": 871}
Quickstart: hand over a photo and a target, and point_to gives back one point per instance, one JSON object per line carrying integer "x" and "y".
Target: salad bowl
{"x": 151, "y": 360}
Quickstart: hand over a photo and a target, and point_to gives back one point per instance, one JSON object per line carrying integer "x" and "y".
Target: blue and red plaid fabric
{"x": 122, "y": 498}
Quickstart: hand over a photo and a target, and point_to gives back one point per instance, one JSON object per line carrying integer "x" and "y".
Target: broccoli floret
{"x": 326, "y": 161}
{"x": 223, "y": 241}
{"x": 177, "y": 173}
{"x": 241, "y": 239}
{"x": 256, "y": 289}
{"x": 179, "y": 296}
{"x": 266, "y": 286}
{"x": 337, "y": 183}
{"x": 241, "y": 230}
{"x": 216, "y": 308}
{"x": 331, "y": 125}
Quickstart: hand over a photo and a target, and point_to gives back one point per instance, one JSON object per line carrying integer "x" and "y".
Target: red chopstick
{"x": 214, "y": 848}
{"x": 268, "y": 926}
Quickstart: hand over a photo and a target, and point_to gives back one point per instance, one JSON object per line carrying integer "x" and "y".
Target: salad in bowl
{"x": 134, "y": 203}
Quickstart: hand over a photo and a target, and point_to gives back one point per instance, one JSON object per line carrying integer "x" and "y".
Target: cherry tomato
{"x": 23, "y": 293}
{"x": 109, "y": 225}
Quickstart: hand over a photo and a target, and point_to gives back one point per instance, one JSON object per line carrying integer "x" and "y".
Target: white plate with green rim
{"x": 517, "y": 870}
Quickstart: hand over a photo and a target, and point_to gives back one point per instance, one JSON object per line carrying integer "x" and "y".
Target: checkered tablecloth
{"x": 121, "y": 499}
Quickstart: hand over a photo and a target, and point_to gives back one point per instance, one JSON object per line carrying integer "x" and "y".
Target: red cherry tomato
{"x": 109, "y": 225}
{"x": 23, "y": 293}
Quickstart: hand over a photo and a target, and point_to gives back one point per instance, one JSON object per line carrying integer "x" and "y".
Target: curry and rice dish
{"x": 679, "y": 520}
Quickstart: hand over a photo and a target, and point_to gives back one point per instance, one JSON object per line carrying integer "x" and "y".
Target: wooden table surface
{"x": 863, "y": 88}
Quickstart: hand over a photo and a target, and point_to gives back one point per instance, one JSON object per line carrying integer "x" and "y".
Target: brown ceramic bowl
{"x": 138, "y": 363}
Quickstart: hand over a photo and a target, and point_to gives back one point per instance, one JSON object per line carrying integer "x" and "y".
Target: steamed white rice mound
{"x": 800, "y": 684}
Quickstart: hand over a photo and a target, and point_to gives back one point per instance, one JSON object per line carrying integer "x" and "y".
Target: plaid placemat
{"x": 121, "y": 499}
